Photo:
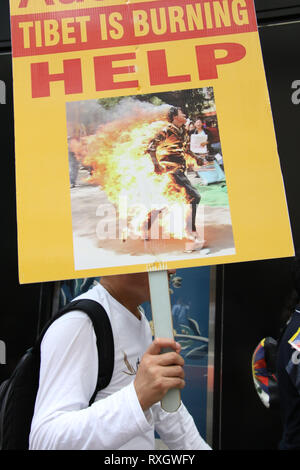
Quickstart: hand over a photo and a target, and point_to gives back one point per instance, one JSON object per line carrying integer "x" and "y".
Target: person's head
{"x": 198, "y": 124}
{"x": 176, "y": 116}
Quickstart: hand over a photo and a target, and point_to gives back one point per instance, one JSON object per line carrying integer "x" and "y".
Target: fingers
{"x": 169, "y": 359}
{"x": 174, "y": 371}
{"x": 170, "y": 363}
{"x": 158, "y": 373}
{"x": 160, "y": 343}
{"x": 167, "y": 384}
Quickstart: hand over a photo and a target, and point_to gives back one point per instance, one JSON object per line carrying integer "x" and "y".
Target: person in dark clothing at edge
{"x": 174, "y": 140}
{"x": 288, "y": 368}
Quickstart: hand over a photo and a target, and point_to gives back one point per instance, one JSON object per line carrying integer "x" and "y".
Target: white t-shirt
{"x": 63, "y": 419}
{"x": 196, "y": 140}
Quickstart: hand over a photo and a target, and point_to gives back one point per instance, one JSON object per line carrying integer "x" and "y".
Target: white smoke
{"x": 90, "y": 114}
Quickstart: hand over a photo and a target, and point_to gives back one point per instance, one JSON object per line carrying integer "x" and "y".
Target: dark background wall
{"x": 274, "y": 6}
{"x": 250, "y": 296}
{"x": 24, "y": 307}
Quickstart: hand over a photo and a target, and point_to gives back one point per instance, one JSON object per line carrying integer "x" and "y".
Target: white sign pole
{"x": 163, "y": 325}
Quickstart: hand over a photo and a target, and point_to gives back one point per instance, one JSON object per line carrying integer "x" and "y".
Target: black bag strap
{"x": 104, "y": 337}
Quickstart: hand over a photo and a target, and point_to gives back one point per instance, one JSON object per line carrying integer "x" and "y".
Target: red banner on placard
{"x": 123, "y": 25}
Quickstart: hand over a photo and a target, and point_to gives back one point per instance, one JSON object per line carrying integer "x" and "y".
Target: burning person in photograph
{"x": 168, "y": 151}
{"x": 139, "y": 195}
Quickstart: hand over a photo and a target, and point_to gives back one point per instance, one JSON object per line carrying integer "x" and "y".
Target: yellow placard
{"x": 94, "y": 83}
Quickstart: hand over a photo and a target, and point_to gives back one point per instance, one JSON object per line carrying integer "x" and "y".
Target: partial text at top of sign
{"x": 103, "y": 26}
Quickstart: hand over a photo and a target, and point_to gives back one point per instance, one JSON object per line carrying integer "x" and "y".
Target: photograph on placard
{"x": 147, "y": 179}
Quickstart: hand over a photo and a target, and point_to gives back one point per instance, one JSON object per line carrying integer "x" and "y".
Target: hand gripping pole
{"x": 163, "y": 325}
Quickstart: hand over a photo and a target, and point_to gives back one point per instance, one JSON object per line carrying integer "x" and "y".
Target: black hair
{"x": 173, "y": 112}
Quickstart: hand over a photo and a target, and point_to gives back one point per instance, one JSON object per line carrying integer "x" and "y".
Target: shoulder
{"x": 98, "y": 294}
{"x": 289, "y": 344}
{"x": 164, "y": 131}
{"x": 77, "y": 321}
{"x": 74, "y": 326}
{"x": 294, "y": 339}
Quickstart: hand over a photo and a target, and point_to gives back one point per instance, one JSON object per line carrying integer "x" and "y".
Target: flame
{"x": 121, "y": 165}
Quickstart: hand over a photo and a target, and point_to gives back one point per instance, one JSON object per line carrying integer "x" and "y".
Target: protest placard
{"x": 105, "y": 177}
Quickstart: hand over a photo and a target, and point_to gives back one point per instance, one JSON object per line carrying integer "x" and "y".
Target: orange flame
{"x": 121, "y": 165}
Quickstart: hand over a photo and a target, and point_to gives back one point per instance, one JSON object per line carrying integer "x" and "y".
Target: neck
{"x": 177, "y": 125}
{"x": 116, "y": 290}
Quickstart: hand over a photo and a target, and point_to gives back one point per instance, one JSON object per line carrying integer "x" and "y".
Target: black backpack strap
{"x": 104, "y": 337}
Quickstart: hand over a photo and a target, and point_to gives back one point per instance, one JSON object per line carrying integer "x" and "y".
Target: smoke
{"x": 128, "y": 106}
{"x": 85, "y": 117}
{"x": 118, "y": 132}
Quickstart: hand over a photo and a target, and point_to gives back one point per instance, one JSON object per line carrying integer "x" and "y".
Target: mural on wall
{"x": 190, "y": 291}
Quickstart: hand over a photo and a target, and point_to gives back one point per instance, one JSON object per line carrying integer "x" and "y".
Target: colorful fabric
{"x": 294, "y": 341}
{"x": 265, "y": 380}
